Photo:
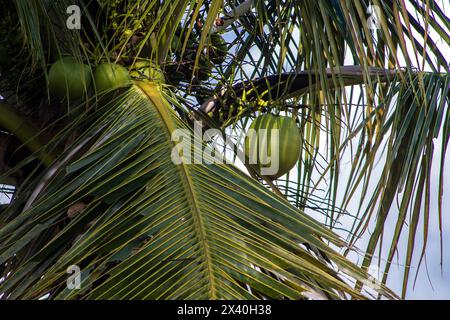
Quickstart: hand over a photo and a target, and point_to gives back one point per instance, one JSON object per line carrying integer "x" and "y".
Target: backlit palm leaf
{"x": 154, "y": 229}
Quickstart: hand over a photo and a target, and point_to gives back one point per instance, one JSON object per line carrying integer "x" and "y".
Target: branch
{"x": 294, "y": 84}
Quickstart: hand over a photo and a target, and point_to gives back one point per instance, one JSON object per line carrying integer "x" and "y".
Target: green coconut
{"x": 147, "y": 70}
{"x": 287, "y": 145}
{"x": 69, "y": 79}
{"x": 219, "y": 49}
{"x": 109, "y": 76}
{"x": 205, "y": 68}
{"x": 174, "y": 74}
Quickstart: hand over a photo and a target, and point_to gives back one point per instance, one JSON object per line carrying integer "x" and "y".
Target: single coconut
{"x": 147, "y": 70}
{"x": 219, "y": 49}
{"x": 205, "y": 68}
{"x": 263, "y": 147}
{"x": 174, "y": 73}
{"x": 109, "y": 76}
{"x": 69, "y": 79}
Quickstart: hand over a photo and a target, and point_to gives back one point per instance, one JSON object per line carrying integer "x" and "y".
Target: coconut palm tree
{"x": 97, "y": 196}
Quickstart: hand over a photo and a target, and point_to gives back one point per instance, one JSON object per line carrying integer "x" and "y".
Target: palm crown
{"x": 95, "y": 184}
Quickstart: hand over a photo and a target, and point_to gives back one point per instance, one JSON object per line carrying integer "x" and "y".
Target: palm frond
{"x": 152, "y": 229}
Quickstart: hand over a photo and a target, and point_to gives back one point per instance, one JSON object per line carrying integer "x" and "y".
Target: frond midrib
{"x": 151, "y": 91}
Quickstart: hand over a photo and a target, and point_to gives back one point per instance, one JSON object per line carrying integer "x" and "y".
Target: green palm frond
{"x": 154, "y": 229}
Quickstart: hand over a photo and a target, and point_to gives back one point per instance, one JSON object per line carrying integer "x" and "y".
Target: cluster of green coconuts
{"x": 70, "y": 79}
{"x": 287, "y": 145}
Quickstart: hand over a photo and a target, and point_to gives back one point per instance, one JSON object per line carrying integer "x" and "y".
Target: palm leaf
{"x": 154, "y": 229}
